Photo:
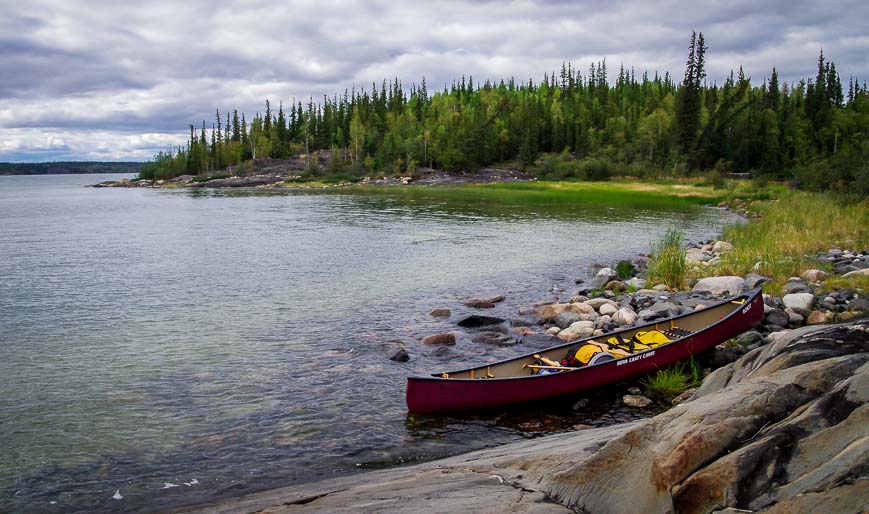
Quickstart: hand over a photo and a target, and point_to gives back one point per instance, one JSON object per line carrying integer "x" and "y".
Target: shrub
{"x": 596, "y": 169}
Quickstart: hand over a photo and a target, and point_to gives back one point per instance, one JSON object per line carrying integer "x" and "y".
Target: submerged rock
{"x": 446, "y": 339}
{"x": 400, "y": 355}
{"x": 474, "y": 321}
{"x": 493, "y": 338}
{"x": 440, "y": 313}
{"x": 635, "y": 400}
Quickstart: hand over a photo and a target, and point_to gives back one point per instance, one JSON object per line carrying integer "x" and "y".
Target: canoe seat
{"x": 675, "y": 332}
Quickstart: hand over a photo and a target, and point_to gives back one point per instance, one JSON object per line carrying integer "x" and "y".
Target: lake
{"x": 181, "y": 345}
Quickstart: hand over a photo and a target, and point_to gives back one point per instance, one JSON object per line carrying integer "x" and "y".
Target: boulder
{"x": 595, "y": 303}
{"x": 553, "y": 331}
{"x": 648, "y": 315}
{"x": 603, "y": 276}
{"x": 721, "y": 286}
{"x": 857, "y": 273}
{"x": 591, "y": 316}
{"x": 696, "y": 256}
{"x": 578, "y": 330}
{"x": 604, "y": 322}
{"x": 440, "y": 313}
{"x": 582, "y": 308}
{"x": 722, "y": 247}
{"x": 798, "y": 300}
{"x": 795, "y": 318}
{"x": 625, "y": 316}
{"x": 616, "y": 286}
{"x": 446, "y": 339}
{"x": 567, "y": 318}
{"x": 665, "y": 309}
{"x": 474, "y": 321}
{"x": 814, "y": 275}
{"x": 552, "y": 310}
{"x": 795, "y": 286}
{"x": 777, "y": 317}
{"x": 817, "y": 318}
{"x": 608, "y": 309}
{"x": 753, "y": 280}
{"x": 749, "y": 338}
{"x": 636, "y": 283}
{"x": 859, "y": 304}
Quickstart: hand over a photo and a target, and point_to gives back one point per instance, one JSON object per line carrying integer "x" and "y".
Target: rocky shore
{"x": 779, "y": 426}
{"x": 783, "y": 429}
{"x": 606, "y": 302}
{"x": 288, "y": 174}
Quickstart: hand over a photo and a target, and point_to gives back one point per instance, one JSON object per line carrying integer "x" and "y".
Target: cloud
{"x": 134, "y": 75}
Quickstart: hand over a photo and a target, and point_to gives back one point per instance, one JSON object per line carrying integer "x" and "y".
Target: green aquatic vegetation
{"x": 667, "y": 262}
{"x": 673, "y": 380}
{"x": 625, "y": 269}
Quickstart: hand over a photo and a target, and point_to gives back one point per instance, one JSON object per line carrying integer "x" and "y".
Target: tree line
{"x": 812, "y": 130}
{"x": 67, "y": 167}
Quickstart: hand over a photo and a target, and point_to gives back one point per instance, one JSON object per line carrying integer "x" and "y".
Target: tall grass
{"x": 667, "y": 262}
{"x": 674, "y": 380}
{"x": 793, "y": 229}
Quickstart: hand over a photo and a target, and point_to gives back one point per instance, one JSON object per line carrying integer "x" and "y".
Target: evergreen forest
{"x": 571, "y": 124}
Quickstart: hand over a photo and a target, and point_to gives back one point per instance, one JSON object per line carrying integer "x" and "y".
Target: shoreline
{"x": 428, "y": 177}
{"x": 699, "y": 248}
{"x": 690, "y": 458}
{"x": 421, "y": 485}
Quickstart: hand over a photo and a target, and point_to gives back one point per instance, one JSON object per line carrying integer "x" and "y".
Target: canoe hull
{"x": 428, "y": 394}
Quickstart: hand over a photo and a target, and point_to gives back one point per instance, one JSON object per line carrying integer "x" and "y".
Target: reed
{"x": 667, "y": 261}
{"x": 792, "y": 230}
{"x": 673, "y": 380}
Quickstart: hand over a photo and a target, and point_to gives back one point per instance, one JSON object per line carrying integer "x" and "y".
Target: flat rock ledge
{"x": 783, "y": 429}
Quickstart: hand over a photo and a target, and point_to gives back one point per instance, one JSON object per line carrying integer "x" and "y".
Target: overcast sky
{"x": 118, "y": 80}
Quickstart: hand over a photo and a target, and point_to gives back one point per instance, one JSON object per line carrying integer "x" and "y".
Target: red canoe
{"x": 540, "y": 375}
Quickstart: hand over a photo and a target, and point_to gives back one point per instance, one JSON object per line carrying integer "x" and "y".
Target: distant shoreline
{"x": 68, "y": 168}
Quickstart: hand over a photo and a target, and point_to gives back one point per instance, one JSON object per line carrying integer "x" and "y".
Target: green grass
{"x": 673, "y": 380}
{"x": 667, "y": 262}
{"x": 625, "y": 269}
{"x": 794, "y": 227}
{"x": 859, "y": 283}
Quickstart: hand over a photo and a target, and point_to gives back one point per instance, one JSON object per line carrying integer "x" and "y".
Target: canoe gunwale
{"x": 749, "y": 297}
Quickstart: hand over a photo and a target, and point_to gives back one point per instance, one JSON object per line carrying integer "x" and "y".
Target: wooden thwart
{"x": 538, "y": 367}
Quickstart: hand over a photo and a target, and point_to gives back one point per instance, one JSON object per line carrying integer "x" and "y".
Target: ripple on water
{"x": 154, "y": 337}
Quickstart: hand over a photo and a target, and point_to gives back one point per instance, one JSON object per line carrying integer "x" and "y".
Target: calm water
{"x": 224, "y": 341}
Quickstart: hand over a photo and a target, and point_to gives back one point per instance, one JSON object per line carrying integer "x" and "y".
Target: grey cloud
{"x": 117, "y": 68}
